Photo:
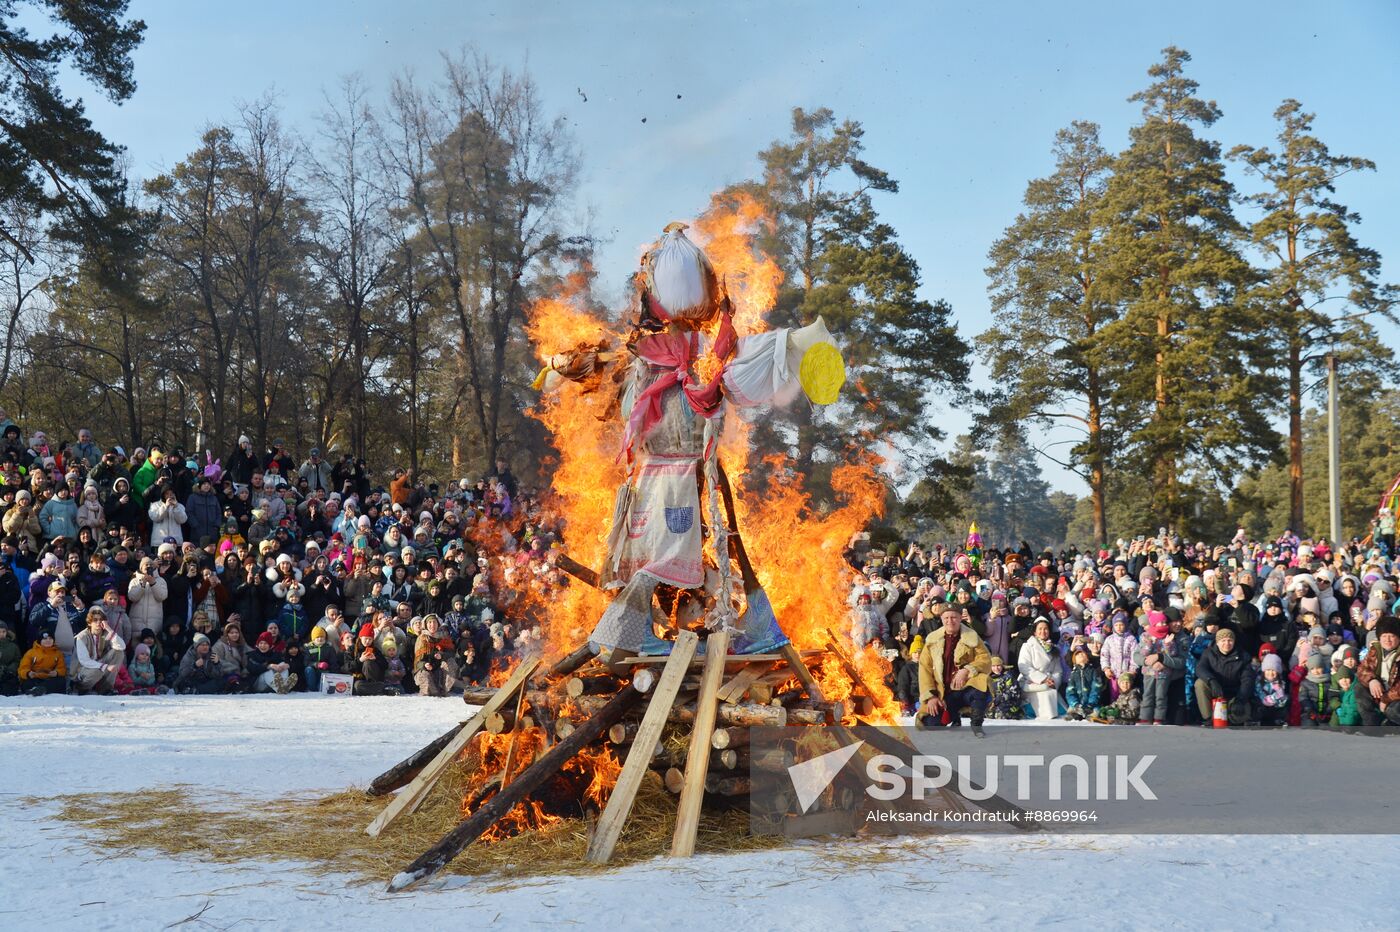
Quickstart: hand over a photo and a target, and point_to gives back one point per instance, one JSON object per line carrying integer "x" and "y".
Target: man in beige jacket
{"x": 953, "y": 668}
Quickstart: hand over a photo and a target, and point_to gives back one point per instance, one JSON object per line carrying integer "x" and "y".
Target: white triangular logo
{"x": 811, "y": 777}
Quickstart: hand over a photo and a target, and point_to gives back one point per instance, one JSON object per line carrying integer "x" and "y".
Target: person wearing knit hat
{"x": 1315, "y": 693}
{"x": 200, "y": 671}
{"x": 1377, "y": 686}
{"x": 1224, "y": 672}
{"x": 1271, "y": 692}
{"x": 1275, "y": 628}
{"x": 1160, "y": 660}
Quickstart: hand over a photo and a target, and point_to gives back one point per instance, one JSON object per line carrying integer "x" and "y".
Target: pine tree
{"x": 1043, "y": 348}
{"x": 844, "y": 263}
{"x": 1189, "y": 368}
{"x": 1311, "y": 259}
{"x": 52, "y": 160}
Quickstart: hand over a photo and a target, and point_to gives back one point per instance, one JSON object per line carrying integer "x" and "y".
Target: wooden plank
{"x": 639, "y": 758}
{"x": 734, "y": 690}
{"x": 697, "y": 762}
{"x": 412, "y": 796}
{"x": 799, "y": 669}
{"x": 408, "y": 768}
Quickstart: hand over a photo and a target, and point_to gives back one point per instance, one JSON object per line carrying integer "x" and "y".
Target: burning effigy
{"x": 669, "y": 646}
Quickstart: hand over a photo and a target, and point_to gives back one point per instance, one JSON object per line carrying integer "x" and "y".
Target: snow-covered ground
{"x": 52, "y": 877}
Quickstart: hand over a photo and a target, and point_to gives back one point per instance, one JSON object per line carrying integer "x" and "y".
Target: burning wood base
{"x": 672, "y": 728}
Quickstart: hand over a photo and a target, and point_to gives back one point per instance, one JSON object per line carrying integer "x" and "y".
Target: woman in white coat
{"x": 167, "y": 515}
{"x": 1041, "y": 671}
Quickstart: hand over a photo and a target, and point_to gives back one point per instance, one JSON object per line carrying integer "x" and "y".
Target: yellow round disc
{"x": 822, "y": 373}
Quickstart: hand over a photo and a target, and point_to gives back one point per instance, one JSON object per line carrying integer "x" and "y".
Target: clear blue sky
{"x": 959, "y": 101}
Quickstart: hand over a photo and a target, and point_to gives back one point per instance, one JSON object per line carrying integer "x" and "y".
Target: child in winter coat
{"x": 1006, "y": 700}
{"x": 1271, "y": 693}
{"x": 394, "y": 670}
{"x": 1124, "y": 709}
{"x": 321, "y": 658}
{"x": 143, "y": 671}
{"x": 1295, "y": 698}
{"x": 1159, "y": 659}
{"x": 1201, "y": 638}
{"x": 1315, "y": 694}
{"x": 293, "y": 621}
{"x": 1345, "y": 711}
{"x": 1119, "y": 657}
{"x": 1083, "y": 687}
{"x": 296, "y": 663}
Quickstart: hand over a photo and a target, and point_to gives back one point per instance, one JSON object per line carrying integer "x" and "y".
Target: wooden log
{"x": 498, "y": 723}
{"x": 772, "y": 760}
{"x": 529, "y": 780}
{"x": 644, "y": 679}
{"x": 737, "y": 713}
{"x": 732, "y": 737}
{"x": 592, "y": 686}
{"x": 728, "y": 785}
{"x": 730, "y": 758}
{"x": 623, "y": 732}
{"x": 801, "y": 716}
{"x": 412, "y": 796}
{"x": 816, "y": 713}
{"x": 408, "y": 768}
{"x": 477, "y": 695}
{"x": 697, "y": 762}
{"x": 562, "y": 729}
{"x": 788, "y": 696}
{"x": 674, "y": 779}
{"x": 572, "y": 661}
{"x": 861, "y": 704}
{"x": 644, "y": 747}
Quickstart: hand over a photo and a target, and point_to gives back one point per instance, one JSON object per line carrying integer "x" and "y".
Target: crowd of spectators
{"x": 152, "y": 572}
{"x": 1155, "y": 631}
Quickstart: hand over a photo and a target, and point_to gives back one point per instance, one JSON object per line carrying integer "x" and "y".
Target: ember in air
{"x": 1102, "y": 777}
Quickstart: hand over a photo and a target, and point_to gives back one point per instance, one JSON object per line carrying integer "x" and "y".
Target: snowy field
{"x": 54, "y": 877}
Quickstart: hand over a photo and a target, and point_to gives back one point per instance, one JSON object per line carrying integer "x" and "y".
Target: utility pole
{"x": 1334, "y": 459}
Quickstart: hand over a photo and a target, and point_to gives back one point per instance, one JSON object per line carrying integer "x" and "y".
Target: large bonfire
{"x": 550, "y": 741}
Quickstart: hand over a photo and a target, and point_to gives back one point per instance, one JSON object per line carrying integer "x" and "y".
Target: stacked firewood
{"x": 686, "y": 719}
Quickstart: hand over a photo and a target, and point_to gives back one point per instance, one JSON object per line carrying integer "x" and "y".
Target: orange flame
{"x": 797, "y": 548}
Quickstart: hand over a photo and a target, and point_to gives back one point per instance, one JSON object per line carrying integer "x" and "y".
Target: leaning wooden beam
{"x": 408, "y": 768}
{"x": 583, "y": 574}
{"x": 639, "y": 758}
{"x": 846, "y": 663}
{"x": 751, "y": 584}
{"x": 530, "y": 779}
{"x": 412, "y": 796}
{"x": 698, "y": 760}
